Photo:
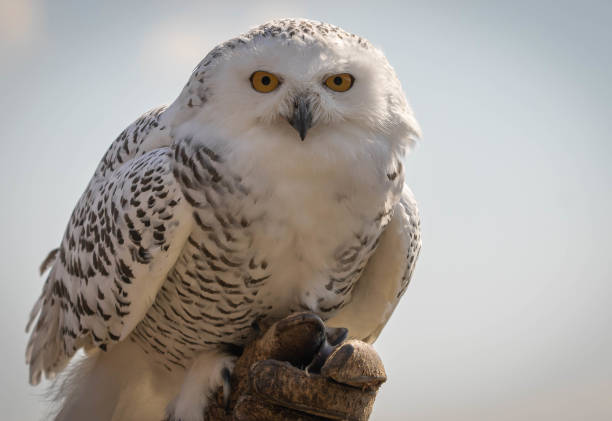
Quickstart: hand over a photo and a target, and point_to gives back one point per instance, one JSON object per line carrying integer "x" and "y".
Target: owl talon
{"x": 227, "y": 386}
{"x": 336, "y": 335}
{"x": 333, "y": 338}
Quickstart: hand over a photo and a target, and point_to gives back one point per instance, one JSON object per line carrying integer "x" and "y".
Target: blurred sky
{"x": 509, "y": 313}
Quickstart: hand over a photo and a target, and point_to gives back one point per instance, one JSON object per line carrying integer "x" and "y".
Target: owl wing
{"x": 386, "y": 276}
{"x": 124, "y": 236}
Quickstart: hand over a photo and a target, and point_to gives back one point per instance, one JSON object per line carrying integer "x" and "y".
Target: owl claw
{"x": 227, "y": 386}
{"x": 334, "y": 336}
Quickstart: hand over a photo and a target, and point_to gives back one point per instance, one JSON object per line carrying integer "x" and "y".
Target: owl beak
{"x": 301, "y": 119}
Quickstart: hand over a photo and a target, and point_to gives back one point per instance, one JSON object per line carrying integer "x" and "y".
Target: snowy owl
{"x": 272, "y": 184}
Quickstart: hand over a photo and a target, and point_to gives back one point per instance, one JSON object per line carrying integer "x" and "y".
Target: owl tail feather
{"x": 45, "y": 352}
{"x": 118, "y": 385}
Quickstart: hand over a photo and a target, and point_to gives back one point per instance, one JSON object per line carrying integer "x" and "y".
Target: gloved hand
{"x": 297, "y": 370}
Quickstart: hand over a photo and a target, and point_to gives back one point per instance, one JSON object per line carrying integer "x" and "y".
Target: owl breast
{"x": 256, "y": 252}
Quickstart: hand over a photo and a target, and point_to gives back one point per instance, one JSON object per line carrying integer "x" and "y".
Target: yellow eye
{"x": 341, "y": 82}
{"x": 264, "y": 82}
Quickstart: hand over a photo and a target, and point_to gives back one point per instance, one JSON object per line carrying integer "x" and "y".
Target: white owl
{"x": 272, "y": 184}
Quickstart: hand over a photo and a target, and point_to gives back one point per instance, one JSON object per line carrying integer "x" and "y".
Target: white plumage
{"x": 212, "y": 214}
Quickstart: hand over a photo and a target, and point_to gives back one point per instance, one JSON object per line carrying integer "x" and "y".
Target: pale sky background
{"x": 509, "y": 313}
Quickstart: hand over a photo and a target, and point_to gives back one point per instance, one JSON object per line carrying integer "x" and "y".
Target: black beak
{"x": 301, "y": 120}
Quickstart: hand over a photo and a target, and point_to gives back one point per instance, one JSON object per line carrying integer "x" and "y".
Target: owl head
{"x": 299, "y": 80}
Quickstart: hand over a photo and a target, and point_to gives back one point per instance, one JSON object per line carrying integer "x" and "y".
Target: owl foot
{"x": 209, "y": 371}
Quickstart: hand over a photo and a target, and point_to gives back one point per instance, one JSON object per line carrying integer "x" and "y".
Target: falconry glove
{"x": 301, "y": 370}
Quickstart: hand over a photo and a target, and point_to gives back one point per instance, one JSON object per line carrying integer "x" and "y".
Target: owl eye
{"x": 341, "y": 82}
{"x": 264, "y": 82}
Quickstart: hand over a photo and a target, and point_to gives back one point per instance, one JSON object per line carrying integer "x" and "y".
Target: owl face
{"x": 304, "y": 87}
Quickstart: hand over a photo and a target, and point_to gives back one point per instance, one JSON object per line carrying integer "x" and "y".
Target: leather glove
{"x": 300, "y": 370}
